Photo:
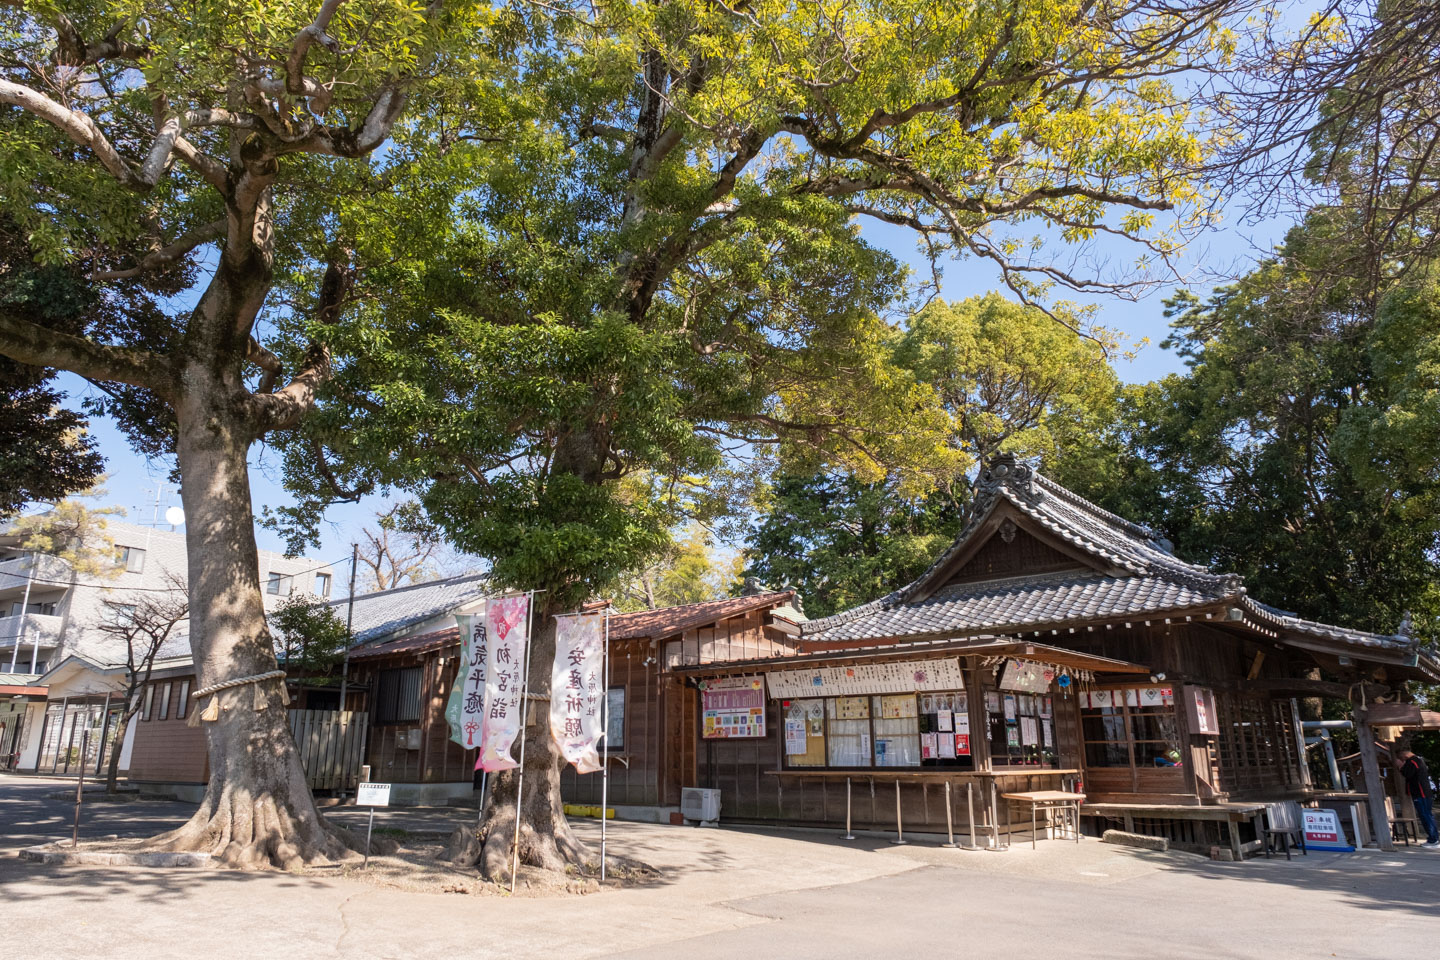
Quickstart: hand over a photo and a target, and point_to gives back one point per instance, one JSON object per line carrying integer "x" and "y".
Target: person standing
{"x": 1417, "y": 783}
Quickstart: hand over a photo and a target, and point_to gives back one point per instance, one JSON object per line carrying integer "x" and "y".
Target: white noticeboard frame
{"x": 372, "y": 795}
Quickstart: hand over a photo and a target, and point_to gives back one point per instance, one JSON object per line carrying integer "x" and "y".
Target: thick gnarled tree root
{"x": 256, "y": 833}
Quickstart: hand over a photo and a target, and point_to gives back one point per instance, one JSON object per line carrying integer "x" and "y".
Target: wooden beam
{"x": 1374, "y": 789}
{"x": 1305, "y": 687}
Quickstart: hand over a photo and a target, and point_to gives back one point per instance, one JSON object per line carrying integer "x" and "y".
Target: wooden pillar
{"x": 1374, "y": 789}
{"x": 1299, "y": 732}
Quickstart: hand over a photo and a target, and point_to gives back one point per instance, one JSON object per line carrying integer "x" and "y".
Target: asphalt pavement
{"x": 727, "y": 893}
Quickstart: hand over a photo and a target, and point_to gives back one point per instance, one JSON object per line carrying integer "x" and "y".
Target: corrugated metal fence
{"x": 331, "y": 745}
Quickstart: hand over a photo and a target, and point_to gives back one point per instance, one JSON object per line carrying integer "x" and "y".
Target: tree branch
{"x": 166, "y": 255}
{"x": 38, "y": 346}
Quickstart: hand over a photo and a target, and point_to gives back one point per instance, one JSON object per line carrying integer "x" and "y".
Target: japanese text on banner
{"x": 507, "y": 634}
{"x": 576, "y": 690}
{"x": 465, "y": 709}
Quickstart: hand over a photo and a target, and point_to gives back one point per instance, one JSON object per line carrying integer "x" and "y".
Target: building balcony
{"x": 36, "y": 626}
{"x": 53, "y": 572}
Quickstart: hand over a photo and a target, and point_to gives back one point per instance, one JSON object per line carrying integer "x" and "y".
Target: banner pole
{"x": 524, "y": 734}
{"x": 605, "y": 742}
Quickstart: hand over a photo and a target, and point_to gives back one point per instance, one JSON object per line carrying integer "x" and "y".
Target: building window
{"x": 182, "y": 703}
{"x": 122, "y": 612}
{"x": 397, "y": 696}
{"x": 615, "y": 733}
{"x": 1021, "y": 728}
{"x": 322, "y": 584}
{"x": 149, "y": 701}
{"x": 164, "y": 701}
{"x": 278, "y": 584}
{"x": 893, "y": 730}
{"x": 1130, "y": 728}
{"x": 132, "y": 558}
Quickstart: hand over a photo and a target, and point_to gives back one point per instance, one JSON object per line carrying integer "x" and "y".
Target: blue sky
{"x": 1223, "y": 251}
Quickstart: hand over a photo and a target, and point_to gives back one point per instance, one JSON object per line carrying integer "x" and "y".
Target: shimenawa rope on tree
{"x": 212, "y": 710}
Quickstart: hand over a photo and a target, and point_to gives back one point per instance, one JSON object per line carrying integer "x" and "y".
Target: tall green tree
{"x": 1297, "y": 449}
{"x": 152, "y": 134}
{"x": 659, "y": 267}
{"x": 1008, "y": 378}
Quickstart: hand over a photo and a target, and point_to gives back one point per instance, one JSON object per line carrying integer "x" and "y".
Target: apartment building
{"x": 49, "y": 612}
{"x": 66, "y": 672}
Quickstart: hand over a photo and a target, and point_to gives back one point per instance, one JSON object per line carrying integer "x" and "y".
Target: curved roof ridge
{"x": 1130, "y": 526}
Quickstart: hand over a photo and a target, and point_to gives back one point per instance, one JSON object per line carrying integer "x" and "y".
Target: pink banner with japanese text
{"x": 506, "y": 635}
{"x": 577, "y": 691}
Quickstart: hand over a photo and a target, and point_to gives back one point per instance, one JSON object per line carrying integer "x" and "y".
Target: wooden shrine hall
{"x": 1053, "y": 647}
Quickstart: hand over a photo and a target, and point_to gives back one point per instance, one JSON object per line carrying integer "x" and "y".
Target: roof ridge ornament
{"x": 1006, "y": 472}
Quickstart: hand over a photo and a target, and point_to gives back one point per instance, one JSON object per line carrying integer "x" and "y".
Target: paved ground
{"x": 728, "y": 893}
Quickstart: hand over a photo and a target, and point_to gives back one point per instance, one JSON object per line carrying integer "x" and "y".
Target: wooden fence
{"x": 331, "y": 745}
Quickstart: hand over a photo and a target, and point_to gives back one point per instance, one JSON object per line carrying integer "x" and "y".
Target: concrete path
{"x": 744, "y": 893}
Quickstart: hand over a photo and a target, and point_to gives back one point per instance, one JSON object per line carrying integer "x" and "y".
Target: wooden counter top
{"x": 880, "y": 773}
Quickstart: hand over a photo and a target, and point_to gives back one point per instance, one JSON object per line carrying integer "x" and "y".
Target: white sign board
{"x": 1323, "y": 830}
{"x": 372, "y": 795}
{"x": 873, "y": 678}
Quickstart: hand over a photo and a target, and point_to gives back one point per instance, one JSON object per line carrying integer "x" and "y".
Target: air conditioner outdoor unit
{"x": 699, "y": 804}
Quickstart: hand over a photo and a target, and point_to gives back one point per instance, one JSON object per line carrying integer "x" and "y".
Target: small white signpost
{"x": 371, "y": 795}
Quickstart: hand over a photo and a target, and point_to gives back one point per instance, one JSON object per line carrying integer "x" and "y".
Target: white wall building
{"x": 48, "y": 612}
{"x": 50, "y": 617}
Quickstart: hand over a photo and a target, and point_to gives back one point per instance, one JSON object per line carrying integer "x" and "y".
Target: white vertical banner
{"x": 472, "y": 702}
{"x": 576, "y": 689}
{"x": 507, "y": 637}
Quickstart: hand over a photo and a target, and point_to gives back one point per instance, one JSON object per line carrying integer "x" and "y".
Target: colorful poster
{"x": 465, "y": 708}
{"x": 576, "y": 679}
{"x": 733, "y": 707}
{"x": 1012, "y": 735}
{"x": 795, "y": 739}
{"x": 507, "y": 629}
{"x": 945, "y": 720}
{"x": 962, "y": 744}
{"x": 946, "y": 743}
{"x": 928, "y": 746}
{"x": 909, "y": 676}
{"x": 962, "y": 720}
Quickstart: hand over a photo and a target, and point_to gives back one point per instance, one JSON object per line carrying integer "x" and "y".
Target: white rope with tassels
{"x": 212, "y": 710}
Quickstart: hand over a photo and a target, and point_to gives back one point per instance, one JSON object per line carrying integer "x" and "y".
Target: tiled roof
{"x": 671, "y": 620}
{"x": 384, "y": 613}
{"x": 422, "y": 643}
{"x": 1143, "y": 576}
{"x": 1019, "y": 604}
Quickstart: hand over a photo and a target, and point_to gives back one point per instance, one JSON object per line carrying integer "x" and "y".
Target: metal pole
{"x": 369, "y": 831}
{"x": 994, "y": 820}
{"x": 949, "y": 819}
{"x": 899, "y": 827}
{"x": 349, "y": 625}
{"x": 848, "y": 834}
{"x": 970, "y": 805}
{"x": 24, "y": 615}
{"x": 524, "y": 734}
{"x": 80, "y": 786}
{"x": 605, "y": 740}
{"x": 20, "y": 628}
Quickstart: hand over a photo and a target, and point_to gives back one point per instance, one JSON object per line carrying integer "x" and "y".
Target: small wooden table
{"x": 1050, "y": 800}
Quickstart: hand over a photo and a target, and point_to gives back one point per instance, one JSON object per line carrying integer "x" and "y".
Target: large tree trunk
{"x": 546, "y": 840}
{"x": 257, "y": 809}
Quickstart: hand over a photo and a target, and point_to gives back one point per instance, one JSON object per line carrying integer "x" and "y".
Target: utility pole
{"x": 349, "y": 624}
